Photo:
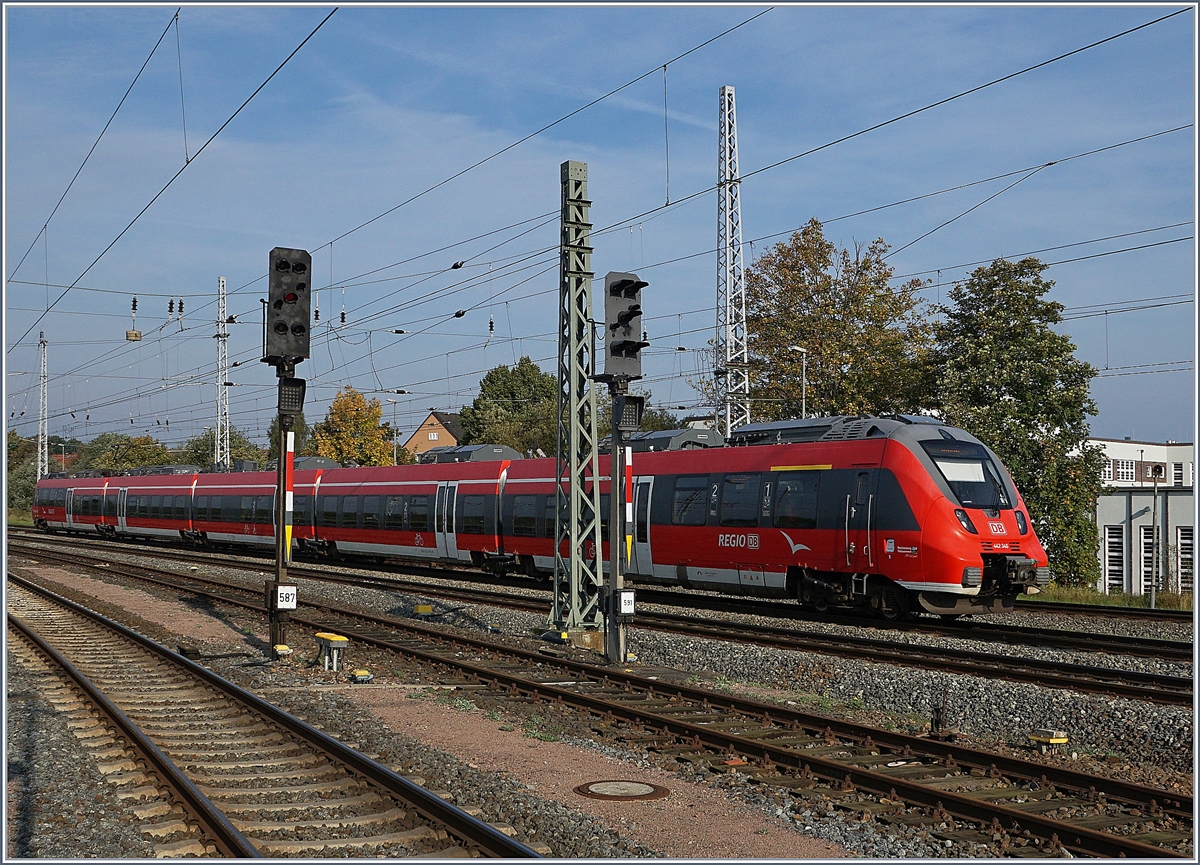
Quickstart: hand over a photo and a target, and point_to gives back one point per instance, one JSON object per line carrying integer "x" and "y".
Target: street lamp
{"x": 803, "y": 379}
{"x": 393, "y": 402}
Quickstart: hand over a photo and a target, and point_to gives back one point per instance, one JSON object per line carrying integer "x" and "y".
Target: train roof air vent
{"x": 850, "y": 428}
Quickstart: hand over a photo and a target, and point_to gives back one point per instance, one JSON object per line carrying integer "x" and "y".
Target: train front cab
{"x": 978, "y": 547}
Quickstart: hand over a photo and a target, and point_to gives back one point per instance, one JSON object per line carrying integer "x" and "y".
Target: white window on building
{"x": 1184, "y": 564}
{"x": 1177, "y": 474}
{"x": 433, "y": 436}
{"x": 1114, "y": 559}
{"x": 1125, "y": 470}
{"x": 1106, "y": 472}
{"x": 1147, "y": 556}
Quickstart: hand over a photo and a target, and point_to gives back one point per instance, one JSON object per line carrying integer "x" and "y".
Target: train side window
{"x": 370, "y": 519}
{"x": 687, "y": 500}
{"x": 739, "y": 500}
{"x": 796, "y": 500}
{"x": 155, "y": 507}
{"x": 439, "y": 510}
{"x": 418, "y": 514}
{"x": 393, "y": 513}
{"x": 605, "y": 507}
{"x": 548, "y": 515}
{"x": 766, "y": 500}
{"x": 61, "y": 499}
{"x": 643, "y": 513}
{"x": 264, "y": 509}
{"x": 168, "y": 508}
{"x": 349, "y": 512}
{"x": 713, "y": 490}
{"x": 214, "y": 509}
{"x": 201, "y": 512}
{"x": 300, "y": 509}
{"x": 329, "y": 508}
{"x": 231, "y": 511}
{"x": 524, "y": 519}
{"x": 862, "y": 488}
{"x": 473, "y": 522}
{"x": 246, "y": 513}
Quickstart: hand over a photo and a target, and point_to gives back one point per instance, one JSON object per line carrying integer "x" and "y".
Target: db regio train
{"x": 897, "y": 514}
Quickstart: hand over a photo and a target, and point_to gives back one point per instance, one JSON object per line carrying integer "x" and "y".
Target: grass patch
{"x": 463, "y": 704}
{"x": 1087, "y": 595}
{"x": 539, "y": 728}
{"x": 19, "y": 519}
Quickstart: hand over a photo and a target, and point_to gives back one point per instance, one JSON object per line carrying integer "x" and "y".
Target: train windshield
{"x": 970, "y": 473}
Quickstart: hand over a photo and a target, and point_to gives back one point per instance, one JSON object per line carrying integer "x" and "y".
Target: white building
{"x": 1133, "y": 509}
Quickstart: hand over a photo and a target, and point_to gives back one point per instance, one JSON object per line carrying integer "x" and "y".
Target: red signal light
{"x": 290, "y": 297}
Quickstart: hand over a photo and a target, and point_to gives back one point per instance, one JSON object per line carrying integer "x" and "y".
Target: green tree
{"x": 353, "y": 431}
{"x": 299, "y": 426}
{"x": 516, "y": 407}
{"x": 868, "y": 343}
{"x": 22, "y": 479}
{"x": 198, "y": 450}
{"x": 658, "y": 419}
{"x": 1009, "y": 379}
{"x": 116, "y": 451}
{"x": 20, "y": 449}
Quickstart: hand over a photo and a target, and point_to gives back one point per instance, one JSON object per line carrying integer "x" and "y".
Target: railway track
{"x": 1106, "y": 611}
{"x": 969, "y": 626}
{"x": 1008, "y": 805}
{"x": 1169, "y": 690}
{"x": 249, "y": 779}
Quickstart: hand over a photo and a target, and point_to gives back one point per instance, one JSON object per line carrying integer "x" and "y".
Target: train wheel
{"x": 888, "y": 602}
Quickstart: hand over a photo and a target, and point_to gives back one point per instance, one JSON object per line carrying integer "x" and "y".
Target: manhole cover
{"x": 621, "y": 790}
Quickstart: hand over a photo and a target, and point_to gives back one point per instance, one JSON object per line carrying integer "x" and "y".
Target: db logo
{"x": 997, "y": 528}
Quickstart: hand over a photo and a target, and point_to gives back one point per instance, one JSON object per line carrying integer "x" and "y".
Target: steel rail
{"x": 490, "y": 840}
{"x": 703, "y": 599}
{"x": 1105, "y": 611}
{"x": 213, "y": 822}
{"x": 1085, "y": 840}
{"x": 1082, "y": 839}
{"x": 1151, "y": 687}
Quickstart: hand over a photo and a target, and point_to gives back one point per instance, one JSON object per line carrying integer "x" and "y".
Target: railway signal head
{"x": 623, "y": 341}
{"x": 288, "y": 303}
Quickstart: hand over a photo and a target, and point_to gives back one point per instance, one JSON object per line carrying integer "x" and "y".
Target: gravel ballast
{"x": 1143, "y": 735}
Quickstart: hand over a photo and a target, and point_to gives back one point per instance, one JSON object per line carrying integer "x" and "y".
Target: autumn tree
{"x": 353, "y": 431}
{"x": 868, "y": 342}
{"x": 1009, "y": 379}
{"x": 516, "y": 407}
{"x": 117, "y": 451}
{"x": 198, "y": 450}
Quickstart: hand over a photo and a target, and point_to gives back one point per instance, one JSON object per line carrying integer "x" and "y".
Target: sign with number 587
{"x": 285, "y": 597}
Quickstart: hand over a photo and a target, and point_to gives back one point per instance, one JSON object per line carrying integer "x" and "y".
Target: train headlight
{"x": 972, "y": 577}
{"x": 1022, "y": 523}
{"x": 965, "y": 521}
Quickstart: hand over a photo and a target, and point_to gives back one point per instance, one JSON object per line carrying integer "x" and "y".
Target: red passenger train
{"x": 898, "y": 514}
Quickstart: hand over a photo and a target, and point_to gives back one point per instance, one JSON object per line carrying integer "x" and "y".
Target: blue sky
{"x": 383, "y": 103}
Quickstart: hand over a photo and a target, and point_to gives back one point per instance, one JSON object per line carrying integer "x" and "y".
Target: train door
{"x": 642, "y": 562}
{"x": 70, "y": 518}
{"x": 443, "y": 509}
{"x": 859, "y": 519}
{"x": 122, "y": 495}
